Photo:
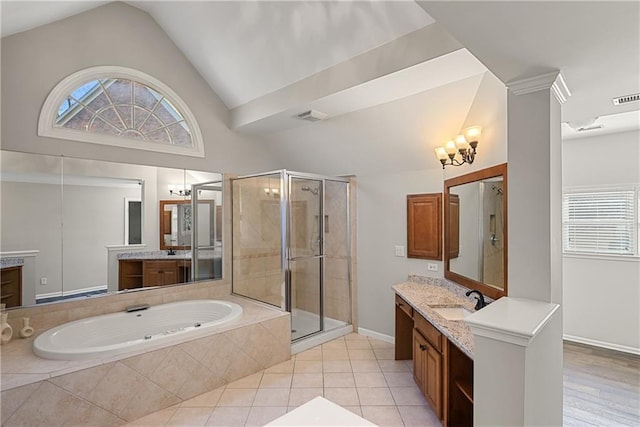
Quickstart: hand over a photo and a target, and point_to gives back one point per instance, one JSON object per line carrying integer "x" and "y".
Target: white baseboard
{"x": 78, "y": 291}
{"x": 377, "y": 335}
{"x": 607, "y": 345}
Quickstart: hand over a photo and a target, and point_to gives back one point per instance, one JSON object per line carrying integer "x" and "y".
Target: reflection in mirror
{"x": 475, "y": 230}
{"x": 207, "y": 239}
{"x": 31, "y": 231}
{"x": 67, "y": 232}
{"x": 175, "y": 224}
{"x": 93, "y": 200}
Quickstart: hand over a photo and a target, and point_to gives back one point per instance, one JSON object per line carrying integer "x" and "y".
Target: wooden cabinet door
{"x": 11, "y": 286}
{"x": 424, "y": 226}
{"x": 427, "y": 371}
{"x": 129, "y": 274}
{"x": 433, "y": 380}
{"x": 419, "y": 359}
{"x": 159, "y": 273}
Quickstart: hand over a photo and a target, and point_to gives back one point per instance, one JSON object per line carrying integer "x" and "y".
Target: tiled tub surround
{"x": 111, "y": 391}
{"x": 107, "y": 335}
{"x": 425, "y": 293}
{"x": 47, "y": 316}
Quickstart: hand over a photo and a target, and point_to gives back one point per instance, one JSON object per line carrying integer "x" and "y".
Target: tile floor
{"x": 354, "y": 371}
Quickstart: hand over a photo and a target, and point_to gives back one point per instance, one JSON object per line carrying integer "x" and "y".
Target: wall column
{"x": 535, "y": 187}
{"x": 518, "y": 339}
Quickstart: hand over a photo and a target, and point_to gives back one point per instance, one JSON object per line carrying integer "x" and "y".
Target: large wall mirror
{"x": 475, "y": 222}
{"x": 70, "y": 225}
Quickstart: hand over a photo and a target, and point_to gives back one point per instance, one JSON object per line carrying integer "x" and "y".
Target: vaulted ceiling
{"x": 269, "y": 61}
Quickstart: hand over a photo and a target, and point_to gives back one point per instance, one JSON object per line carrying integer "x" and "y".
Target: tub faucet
{"x": 137, "y": 307}
{"x": 481, "y": 303}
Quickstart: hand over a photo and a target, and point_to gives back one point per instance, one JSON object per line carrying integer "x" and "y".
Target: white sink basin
{"x": 452, "y": 313}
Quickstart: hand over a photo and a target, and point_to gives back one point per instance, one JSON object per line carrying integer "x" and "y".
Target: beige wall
{"x": 114, "y": 34}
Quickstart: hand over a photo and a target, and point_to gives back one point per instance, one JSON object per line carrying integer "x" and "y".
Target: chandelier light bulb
{"x": 461, "y": 149}
{"x": 450, "y": 147}
{"x": 441, "y": 153}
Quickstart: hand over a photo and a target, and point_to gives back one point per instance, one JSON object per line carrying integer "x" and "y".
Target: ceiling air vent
{"x": 626, "y": 99}
{"x": 584, "y": 129}
{"x": 312, "y": 116}
{"x": 584, "y": 125}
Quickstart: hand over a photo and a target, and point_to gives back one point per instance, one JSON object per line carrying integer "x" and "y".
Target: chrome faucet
{"x": 480, "y": 298}
{"x": 137, "y": 307}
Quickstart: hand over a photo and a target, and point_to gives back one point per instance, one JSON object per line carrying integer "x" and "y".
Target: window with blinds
{"x": 600, "y": 222}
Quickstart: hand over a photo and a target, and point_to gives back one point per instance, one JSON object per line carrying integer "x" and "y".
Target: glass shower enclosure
{"x": 291, "y": 247}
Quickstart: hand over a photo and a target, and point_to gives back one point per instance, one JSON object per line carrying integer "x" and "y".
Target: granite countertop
{"x": 424, "y": 297}
{"x": 11, "y": 262}
{"x": 208, "y": 254}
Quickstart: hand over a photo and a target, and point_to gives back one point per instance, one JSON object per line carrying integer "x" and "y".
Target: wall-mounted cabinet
{"x": 424, "y": 226}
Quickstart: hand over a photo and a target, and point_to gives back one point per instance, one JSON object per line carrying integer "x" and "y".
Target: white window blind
{"x": 600, "y": 222}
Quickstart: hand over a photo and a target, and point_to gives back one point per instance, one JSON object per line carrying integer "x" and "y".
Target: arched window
{"x": 121, "y": 107}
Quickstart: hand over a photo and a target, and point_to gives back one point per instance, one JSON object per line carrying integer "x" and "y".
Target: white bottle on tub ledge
{"x": 27, "y": 330}
{"x": 6, "y": 330}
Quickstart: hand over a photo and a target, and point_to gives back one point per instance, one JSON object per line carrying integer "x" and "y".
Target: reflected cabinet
{"x": 139, "y": 273}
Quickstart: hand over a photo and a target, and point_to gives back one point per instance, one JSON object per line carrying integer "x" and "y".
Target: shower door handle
{"x": 287, "y": 290}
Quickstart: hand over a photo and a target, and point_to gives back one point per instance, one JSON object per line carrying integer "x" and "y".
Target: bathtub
{"x": 112, "y": 334}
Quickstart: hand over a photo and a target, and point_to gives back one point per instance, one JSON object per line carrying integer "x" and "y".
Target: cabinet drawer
{"x": 404, "y": 306}
{"x": 159, "y": 266}
{"x": 428, "y": 331}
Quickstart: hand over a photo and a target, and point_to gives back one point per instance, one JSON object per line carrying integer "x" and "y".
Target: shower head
{"x": 497, "y": 189}
{"x": 313, "y": 191}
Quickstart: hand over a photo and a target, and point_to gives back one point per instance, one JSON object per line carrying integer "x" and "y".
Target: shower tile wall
{"x": 256, "y": 245}
{"x": 257, "y": 271}
{"x": 305, "y": 275}
{"x": 336, "y": 281}
{"x": 493, "y": 271}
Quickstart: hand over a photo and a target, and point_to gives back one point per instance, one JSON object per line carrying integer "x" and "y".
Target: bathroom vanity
{"x": 141, "y": 273}
{"x": 157, "y": 268}
{"x": 430, "y": 330}
{"x": 11, "y": 284}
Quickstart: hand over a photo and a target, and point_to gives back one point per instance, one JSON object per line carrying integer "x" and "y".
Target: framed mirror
{"x": 176, "y": 223}
{"x": 475, "y": 230}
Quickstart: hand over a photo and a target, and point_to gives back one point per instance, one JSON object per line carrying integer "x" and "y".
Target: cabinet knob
{"x": 423, "y": 347}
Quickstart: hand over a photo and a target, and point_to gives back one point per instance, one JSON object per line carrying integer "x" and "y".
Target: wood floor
{"x": 601, "y": 387}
